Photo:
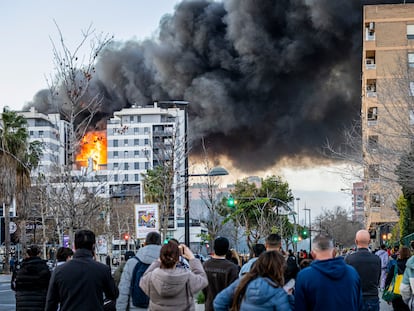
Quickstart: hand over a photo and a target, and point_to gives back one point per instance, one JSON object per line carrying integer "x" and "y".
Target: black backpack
{"x": 139, "y": 299}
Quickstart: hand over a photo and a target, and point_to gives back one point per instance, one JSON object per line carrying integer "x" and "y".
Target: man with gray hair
{"x": 328, "y": 283}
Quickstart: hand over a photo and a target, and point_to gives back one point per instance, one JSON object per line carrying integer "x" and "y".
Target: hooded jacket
{"x": 407, "y": 284}
{"x": 328, "y": 285}
{"x": 261, "y": 294}
{"x": 173, "y": 289}
{"x": 147, "y": 254}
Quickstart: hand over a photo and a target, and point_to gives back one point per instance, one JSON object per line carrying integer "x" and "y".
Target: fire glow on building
{"x": 92, "y": 150}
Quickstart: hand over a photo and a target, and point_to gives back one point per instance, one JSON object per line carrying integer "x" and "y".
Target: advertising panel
{"x": 146, "y": 219}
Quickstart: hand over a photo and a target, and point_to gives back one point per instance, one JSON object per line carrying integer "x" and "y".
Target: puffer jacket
{"x": 407, "y": 284}
{"x": 173, "y": 289}
{"x": 261, "y": 294}
{"x": 31, "y": 283}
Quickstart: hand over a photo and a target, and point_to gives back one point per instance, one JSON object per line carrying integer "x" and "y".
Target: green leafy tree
{"x": 262, "y": 210}
{"x": 17, "y": 159}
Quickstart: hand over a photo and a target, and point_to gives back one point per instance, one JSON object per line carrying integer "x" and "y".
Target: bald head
{"x": 362, "y": 238}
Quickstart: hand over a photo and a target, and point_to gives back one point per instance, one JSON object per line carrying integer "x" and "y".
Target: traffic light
{"x": 295, "y": 238}
{"x": 126, "y": 236}
{"x": 231, "y": 202}
{"x": 304, "y": 233}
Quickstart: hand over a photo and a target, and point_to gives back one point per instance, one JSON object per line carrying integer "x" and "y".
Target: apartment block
{"x": 387, "y": 113}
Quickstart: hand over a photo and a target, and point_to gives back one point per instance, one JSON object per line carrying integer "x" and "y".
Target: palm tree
{"x": 17, "y": 158}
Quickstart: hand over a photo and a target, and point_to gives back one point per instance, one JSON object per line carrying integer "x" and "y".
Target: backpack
{"x": 139, "y": 299}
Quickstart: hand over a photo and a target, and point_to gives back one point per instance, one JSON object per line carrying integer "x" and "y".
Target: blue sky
{"x": 26, "y": 60}
{"x": 26, "y": 27}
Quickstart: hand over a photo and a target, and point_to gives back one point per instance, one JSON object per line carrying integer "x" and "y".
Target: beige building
{"x": 387, "y": 112}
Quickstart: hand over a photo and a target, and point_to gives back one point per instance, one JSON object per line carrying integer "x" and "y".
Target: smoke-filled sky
{"x": 266, "y": 80}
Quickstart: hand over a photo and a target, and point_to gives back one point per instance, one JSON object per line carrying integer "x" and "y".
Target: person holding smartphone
{"x": 169, "y": 287}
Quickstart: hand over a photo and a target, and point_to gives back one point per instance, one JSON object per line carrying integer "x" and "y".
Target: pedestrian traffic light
{"x": 231, "y": 202}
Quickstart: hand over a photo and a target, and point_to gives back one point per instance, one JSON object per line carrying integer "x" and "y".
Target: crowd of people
{"x": 170, "y": 277}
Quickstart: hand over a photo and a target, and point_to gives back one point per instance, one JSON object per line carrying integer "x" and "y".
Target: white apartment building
{"x": 138, "y": 138}
{"x": 51, "y": 130}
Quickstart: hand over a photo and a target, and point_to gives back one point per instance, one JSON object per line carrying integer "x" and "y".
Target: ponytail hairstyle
{"x": 270, "y": 264}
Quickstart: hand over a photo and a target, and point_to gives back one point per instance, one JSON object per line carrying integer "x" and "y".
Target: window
{"x": 146, "y": 141}
{"x": 136, "y": 177}
{"x": 116, "y": 165}
{"x": 126, "y": 177}
{"x": 41, "y": 133}
{"x": 115, "y": 177}
{"x": 411, "y": 59}
{"x": 410, "y": 32}
{"x": 373, "y": 142}
{"x": 146, "y": 130}
{"x": 136, "y": 130}
{"x": 115, "y": 143}
{"x": 126, "y": 142}
{"x": 147, "y": 165}
{"x": 131, "y": 119}
{"x": 371, "y": 88}
{"x": 372, "y": 114}
{"x": 115, "y": 154}
{"x": 126, "y": 166}
{"x": 136, "y": 142}
{"x": 411, "y": 88}
{"x": 373, "y": 171}
{"x": 375, "y": 200}
{"x": 138, "y": 118}
{"x": 370, "y": 60}
{"x": 136, "y": 153}
{"x": 136, "y": 165}
{"x": 370, "y": 31}
{"x": 126, "y": 154}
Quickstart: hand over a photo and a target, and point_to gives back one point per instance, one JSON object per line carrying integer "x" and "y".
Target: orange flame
{"x": 93, "y": 146}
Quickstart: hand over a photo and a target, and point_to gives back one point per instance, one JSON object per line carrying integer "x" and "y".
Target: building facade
{"x": 387, "y": 113}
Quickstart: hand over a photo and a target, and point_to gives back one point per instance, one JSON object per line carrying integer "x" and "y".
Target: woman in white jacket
{"x": 170, "y": 287}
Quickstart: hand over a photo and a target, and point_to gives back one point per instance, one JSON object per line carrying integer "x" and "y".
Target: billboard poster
{"x": 146, "y": 219}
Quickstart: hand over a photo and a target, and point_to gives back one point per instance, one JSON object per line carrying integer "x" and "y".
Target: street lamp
{"x": 310, "y": 225}
{"x": 218, "y": 171}
{"x": 215, "y": 171}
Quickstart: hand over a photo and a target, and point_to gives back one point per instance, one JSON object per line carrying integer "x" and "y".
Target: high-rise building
{"x": 50, "y": 130}
{"x": 140, "y": 138}
{"x": 114, "y": 160}
{"x": 386, "y": 114}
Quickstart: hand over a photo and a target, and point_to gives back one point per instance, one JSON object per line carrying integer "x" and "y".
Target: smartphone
{"x": 289, "y": 285}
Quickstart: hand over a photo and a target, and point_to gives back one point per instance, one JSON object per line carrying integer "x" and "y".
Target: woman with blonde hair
{"x": 171, "y": 288}
{"x": 259, "y": 289}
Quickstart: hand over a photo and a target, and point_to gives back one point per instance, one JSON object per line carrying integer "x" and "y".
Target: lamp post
{"x": 310, "y": 225}
{"x": 215, "y": 171}
{"x": 184, "y": 106}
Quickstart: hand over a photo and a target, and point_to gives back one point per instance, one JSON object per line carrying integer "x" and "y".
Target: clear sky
{"x": 26, "y": 59}
{"x": 26, "y": 27}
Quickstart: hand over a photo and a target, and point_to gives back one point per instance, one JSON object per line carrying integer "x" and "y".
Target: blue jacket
{"x": 328, "y": 285}
{"x": 261, "y": 295}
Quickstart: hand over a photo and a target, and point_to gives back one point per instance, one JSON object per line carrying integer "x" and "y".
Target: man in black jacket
{"x": 80, "y": 283}
{"x": 31, "y": 281}
{"x": 368, "y": 266}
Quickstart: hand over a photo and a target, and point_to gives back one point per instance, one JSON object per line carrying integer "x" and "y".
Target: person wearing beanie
{"x": 220, "y": 272}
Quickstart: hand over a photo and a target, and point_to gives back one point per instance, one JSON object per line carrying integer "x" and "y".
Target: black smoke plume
{"x": 266, "y": 80}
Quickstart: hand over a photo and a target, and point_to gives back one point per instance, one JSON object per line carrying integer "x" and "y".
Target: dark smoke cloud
{"x": 267, "y": 80}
